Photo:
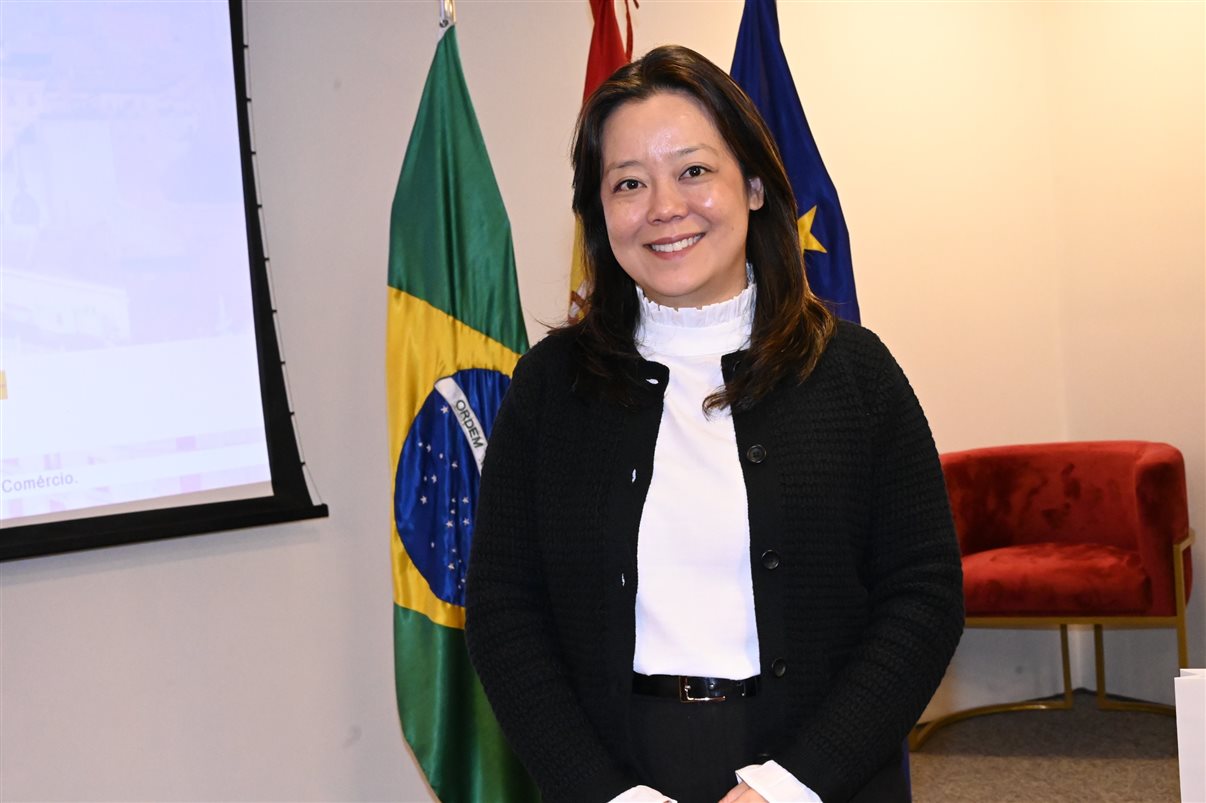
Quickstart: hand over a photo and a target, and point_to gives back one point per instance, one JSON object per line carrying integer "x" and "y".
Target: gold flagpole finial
{"x": 447, "y": 13}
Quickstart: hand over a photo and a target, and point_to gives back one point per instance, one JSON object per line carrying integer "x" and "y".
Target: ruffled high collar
{"x": 716, "y": 329}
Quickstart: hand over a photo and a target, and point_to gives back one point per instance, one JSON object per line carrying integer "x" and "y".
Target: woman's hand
{"x": 741, "y": 793}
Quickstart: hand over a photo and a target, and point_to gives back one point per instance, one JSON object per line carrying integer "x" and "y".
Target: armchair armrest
{"x": 1162, "y": 521}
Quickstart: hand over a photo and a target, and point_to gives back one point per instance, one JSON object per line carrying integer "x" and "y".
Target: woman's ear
{"x": 756, "y": 193}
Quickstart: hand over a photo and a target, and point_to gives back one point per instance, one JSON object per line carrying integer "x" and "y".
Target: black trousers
{"x": 689, "y": 751}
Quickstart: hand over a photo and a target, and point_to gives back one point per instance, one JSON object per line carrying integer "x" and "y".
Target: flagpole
{"x": 447, "y": 12}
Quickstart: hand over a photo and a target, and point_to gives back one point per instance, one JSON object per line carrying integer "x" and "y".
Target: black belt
{"x": 694, "y": 690}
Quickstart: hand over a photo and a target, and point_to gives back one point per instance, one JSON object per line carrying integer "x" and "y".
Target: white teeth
{"x": 667, "y": 248}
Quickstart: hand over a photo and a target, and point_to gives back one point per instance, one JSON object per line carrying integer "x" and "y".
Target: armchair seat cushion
{"x": 1049, "y": 579}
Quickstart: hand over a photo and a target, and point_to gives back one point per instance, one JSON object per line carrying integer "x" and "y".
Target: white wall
{"x": 1128, "y": 102}
{"x": 1024, "y": 189}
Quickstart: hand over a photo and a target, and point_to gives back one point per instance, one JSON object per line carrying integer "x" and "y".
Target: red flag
{"x": 607, "y": 54}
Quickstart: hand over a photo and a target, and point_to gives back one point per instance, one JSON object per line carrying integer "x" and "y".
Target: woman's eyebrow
{"x": 690, "y": 149}
{"x": 622, "y": 165}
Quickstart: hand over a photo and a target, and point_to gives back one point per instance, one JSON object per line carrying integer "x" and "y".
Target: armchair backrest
{"x": 1126, "y": 494}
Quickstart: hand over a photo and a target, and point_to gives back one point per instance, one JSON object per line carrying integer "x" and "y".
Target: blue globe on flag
{"x": 439, "y": 468}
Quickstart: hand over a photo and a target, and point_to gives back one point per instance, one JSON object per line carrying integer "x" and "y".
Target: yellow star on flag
{"x": 804, "y": 226}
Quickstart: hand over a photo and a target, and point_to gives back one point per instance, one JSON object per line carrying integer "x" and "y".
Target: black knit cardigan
{"x": 857, "y": 581}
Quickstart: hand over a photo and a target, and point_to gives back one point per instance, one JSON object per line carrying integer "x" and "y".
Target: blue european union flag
{"x": 760, "y": 68}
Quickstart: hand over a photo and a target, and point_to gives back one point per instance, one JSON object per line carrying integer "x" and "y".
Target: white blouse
{"x": 695, "y": 592}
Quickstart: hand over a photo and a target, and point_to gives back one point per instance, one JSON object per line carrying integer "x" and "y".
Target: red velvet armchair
{"x": 1092, "y": 533}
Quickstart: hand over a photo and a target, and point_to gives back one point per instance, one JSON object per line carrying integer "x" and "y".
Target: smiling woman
{"x": 676, "y": 203}
{"x": 791, "y": 326}
{"x": 714, "y": 558}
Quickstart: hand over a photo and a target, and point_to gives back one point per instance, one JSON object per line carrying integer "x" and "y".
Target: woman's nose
{"x": 666, "y": 203}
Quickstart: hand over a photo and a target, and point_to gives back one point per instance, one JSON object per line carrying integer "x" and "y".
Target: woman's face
{"x": 676, "y": 204}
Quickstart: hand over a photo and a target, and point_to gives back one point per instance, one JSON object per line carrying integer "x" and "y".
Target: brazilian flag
{"x": 455, "y": 332}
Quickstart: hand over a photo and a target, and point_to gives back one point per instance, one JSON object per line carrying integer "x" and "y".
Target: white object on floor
{"x": 1190, "y": 692}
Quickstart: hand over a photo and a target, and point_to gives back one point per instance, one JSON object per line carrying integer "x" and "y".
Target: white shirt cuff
{"x": 776, "y": 784}
{"x": 643, "y": 794}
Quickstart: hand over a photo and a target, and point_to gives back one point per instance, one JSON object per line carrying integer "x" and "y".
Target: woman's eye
{"x": 627, "y": 185}
{"x": 695, "y": 171}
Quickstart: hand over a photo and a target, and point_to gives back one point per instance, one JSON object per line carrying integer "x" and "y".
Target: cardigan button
{"x": 756, "y": 453}
{"x": 770, "y": 559}
{"x": 779, "y": 667}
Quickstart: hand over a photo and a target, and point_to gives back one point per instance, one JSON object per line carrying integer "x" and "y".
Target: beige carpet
{"x": 1051, "y": 756}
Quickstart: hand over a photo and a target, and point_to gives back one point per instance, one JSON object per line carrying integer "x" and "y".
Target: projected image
{"x": 128, "y": 367}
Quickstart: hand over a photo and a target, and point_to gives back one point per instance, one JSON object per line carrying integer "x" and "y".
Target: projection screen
{"x": 141, "y": 388}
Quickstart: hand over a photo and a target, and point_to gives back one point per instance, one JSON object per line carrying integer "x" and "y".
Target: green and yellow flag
{"x": 455, "y": 331}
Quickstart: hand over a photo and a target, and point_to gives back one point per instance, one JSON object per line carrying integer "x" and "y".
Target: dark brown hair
{"x": 791, "y": 326}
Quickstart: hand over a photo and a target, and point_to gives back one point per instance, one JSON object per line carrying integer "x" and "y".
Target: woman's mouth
{"x": 676, "y": 245}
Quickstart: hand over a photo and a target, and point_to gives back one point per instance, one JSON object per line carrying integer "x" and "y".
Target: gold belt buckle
{"x": 684, "y": 693}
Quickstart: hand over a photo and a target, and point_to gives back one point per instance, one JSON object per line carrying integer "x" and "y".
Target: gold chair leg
{"x": 1067, "y": 663}
{"x": 1182, "y": 642}
{"x": 1107, "y": 703}
{"x": 1179, "y": 590}
{"x": 921, "y": 733}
